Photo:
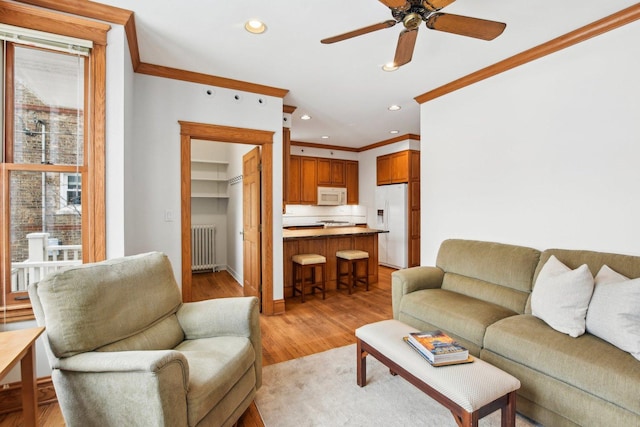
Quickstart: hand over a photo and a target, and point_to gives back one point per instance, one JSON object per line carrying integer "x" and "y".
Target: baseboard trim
{"x": 278, "y": 306}
{"x": 11, "y": 395}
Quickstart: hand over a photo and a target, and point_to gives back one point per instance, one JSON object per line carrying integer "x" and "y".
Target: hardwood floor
{"x": 303, "y": 329}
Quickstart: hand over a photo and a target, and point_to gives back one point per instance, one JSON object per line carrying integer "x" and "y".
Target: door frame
{"x": 218, "y": 133}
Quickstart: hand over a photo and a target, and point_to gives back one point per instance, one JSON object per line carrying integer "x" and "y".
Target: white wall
{"x": 119, "y": 104}
{"x": 545, "y": 155}
{"x": 154, "y": 167}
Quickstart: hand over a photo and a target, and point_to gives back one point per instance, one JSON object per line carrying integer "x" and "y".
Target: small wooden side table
{"x": 17, "y": 346}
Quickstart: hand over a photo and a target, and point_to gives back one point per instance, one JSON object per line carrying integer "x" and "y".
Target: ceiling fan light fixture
{"x": 390, "y": 66}
{"x": 255, "y": 26}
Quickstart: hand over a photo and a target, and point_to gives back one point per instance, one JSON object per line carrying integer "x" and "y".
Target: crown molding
{"x": 594, "y": 29}
{"x": 116, "y": 15}
{"x": 361, "y": 149}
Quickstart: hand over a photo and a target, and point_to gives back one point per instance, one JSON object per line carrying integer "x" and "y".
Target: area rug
{"x": 321, "y": 391}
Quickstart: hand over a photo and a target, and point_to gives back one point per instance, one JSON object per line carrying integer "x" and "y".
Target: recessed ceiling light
{"x": 394, "y": 131}
{"x": 255, "y": 26}
{"x": 394, "y": 107}
{"x": 324, "y": 137}
{"x": 305, "y": 117}
{"x": 390, "y": 66}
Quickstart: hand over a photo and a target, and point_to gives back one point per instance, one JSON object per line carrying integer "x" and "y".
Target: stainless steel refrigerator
{"x": 391, "y": 216}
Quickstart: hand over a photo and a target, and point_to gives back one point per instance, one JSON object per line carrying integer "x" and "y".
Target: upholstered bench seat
{"x": 470, "y": 391}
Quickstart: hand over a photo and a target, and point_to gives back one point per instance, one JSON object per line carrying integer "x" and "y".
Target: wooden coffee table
{"x": 470, "y": 391}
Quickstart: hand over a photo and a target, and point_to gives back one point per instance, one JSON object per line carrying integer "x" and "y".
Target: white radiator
{"x": 203, "y": 247}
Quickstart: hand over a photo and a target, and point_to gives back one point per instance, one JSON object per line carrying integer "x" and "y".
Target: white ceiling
{"x": 342, "y": 85}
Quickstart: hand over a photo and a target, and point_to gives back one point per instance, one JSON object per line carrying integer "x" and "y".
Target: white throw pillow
{"x": 561, "y": 296}
{"x": 614, "y": 310}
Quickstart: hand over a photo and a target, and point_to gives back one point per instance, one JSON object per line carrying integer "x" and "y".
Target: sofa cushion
{"x": 507, "y": 268}
{"x": 614, "y": 310}
{"x": 79, "y": 321}
{"x": 627, "y": 265}
{"x": 561, "y": 296}
{"x": 505, "y": 265}
{"x": 467, "y": 322}
{"x": 586, "y": 362}
{"x": 216, "y": 365}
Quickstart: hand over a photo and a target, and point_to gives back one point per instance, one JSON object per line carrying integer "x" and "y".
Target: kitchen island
{"x": 326, "y": 242}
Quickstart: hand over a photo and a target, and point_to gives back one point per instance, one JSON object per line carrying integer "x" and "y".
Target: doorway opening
{"x": 217, "y": 133}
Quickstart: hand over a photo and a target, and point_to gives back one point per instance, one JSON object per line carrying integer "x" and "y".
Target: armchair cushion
{"x": 215, "y": 366}
{"x": 87, "y": 307}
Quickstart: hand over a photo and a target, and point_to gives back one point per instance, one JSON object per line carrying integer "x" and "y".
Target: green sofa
{"x": 480, "y": 293}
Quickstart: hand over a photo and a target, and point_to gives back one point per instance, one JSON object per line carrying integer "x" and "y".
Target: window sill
{"x": 16, "y": 313}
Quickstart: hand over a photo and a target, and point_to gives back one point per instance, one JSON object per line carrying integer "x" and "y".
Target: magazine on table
{"x": 437, "y": 347}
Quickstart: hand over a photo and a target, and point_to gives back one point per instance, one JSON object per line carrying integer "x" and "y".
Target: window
{"x": 71, "y": 190}
{"x": 50, "y": 150}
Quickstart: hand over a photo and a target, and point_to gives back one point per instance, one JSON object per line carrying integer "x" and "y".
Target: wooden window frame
{"x": 94, "y": 210}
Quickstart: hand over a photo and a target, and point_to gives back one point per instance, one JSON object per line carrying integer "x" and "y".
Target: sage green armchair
{"x": 126, "y": 351}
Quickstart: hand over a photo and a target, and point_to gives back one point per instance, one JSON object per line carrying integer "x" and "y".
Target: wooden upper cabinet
{"x": 353, "y": 182}
{"x": 331, "y": 172}
{"x": 400, "y": 167}
{"x": 306, "y": 174}
{"x": 294, "y": 181}
{"x": 338, "y": 173}
{"x": 393, "y": 168}
{"x": 383, "y": 167}
{"x": 309, "y": 180}
{"x": 324, "y": 171}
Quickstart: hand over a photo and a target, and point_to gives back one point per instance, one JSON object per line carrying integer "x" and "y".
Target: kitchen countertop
{"x": 328, "y": 232}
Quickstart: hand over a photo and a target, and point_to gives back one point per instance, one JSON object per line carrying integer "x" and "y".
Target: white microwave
{"x": 332, "y": 196}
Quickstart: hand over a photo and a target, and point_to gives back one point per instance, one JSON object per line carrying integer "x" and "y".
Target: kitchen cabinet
{"x": 308, "y": 180}
{"x": 306, "y": 174}
{"x": 294, "y": 180}
{"x": 302, "y": 186}
{"x": 393, "y": 168}
{"x": 383, "y": 170}
{"x": 353, "y": 182}
{"x": 331, "y": 172}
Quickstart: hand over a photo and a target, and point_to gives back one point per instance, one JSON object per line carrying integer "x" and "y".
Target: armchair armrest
{"x": 224, "y": 317}
{"x": 124, "y": 387}
{"x": 411, "y": 280}
{"x": 123, "y": 361}
{"x": 219, "y": 317}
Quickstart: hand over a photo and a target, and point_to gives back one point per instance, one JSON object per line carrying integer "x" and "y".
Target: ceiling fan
{"x": 412, "y": 12}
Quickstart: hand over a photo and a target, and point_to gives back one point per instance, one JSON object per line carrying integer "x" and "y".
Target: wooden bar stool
{"x": 351, "y": 258}
{"x": 302, "y": 263}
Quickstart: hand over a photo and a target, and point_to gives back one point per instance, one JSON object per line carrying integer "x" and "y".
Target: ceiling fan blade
{"x": 394, "y": 4}
{"x": 465, "y": 26}
{"x": 404, "y": 50}
{"x": 435, "y": 5}
{"x": 359, "y": 32}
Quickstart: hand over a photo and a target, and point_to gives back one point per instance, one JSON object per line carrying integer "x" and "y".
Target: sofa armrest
{"x": 413, "y": 279}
